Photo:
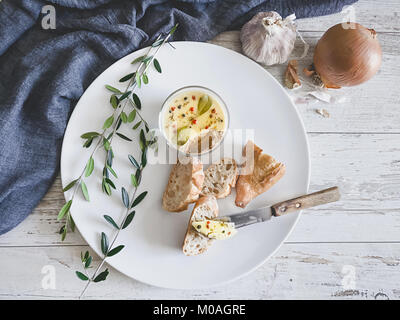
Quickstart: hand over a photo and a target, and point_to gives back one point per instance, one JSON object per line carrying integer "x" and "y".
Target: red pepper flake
{"x": 213, "y": 110}
{"x": 207, "y": 226}
{"x": 191, "y": 109}
{"x": 193, "y": 97}
{"x": 207, "y": 127}
{"x": 208, "y": 222}
{"x": 172, "y": 108}
{"x": 194, "y": 121}
{"x": 229, "y": 233}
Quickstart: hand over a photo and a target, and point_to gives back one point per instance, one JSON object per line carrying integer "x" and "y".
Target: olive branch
{"x": 108, "y": 248}
{"x": 118, "y": 100}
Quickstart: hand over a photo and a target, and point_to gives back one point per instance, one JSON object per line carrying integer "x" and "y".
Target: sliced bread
{"x": 184, "y": 185}
{"x": 220, "y": 178}
{"x": 260, "y": 173}
{"x": 194, "y": 242}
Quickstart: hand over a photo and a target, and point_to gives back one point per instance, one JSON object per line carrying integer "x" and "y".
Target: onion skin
{"x": 347, "y": 57}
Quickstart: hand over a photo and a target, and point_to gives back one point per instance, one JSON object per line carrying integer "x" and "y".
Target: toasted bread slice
{"x": 260, "y": 173}
{"x": 220, "y": 178}
{"x": 184, "y": 185}
{"x": 194, "y": 242}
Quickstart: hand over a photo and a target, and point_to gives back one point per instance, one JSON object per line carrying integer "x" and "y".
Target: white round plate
{"x": 152, "y": 252}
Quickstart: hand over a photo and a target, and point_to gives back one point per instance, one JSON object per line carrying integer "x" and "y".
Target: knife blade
{"x": 249, "y": 217}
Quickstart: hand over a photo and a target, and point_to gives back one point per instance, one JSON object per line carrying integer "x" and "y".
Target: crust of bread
{"x": 261, "y": 173}
{"x": 191, "y": 182}
{"x": 195, "y": 243}
{"x": 220, "y": 179}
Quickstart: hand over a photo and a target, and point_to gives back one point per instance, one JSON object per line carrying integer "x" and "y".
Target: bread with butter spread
{"x": 194, "y": 242}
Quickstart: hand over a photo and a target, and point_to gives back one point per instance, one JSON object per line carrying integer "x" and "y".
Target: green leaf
{"x": 109, "y": 158}
{"x": 125, "y": 197}
{"x": 89, "y": 135}
{"x": 88, "y": 143}
{"x": 127, "y": 77}
{"x": 204, "y": 105}
{"x": 89, "y": 167}
{"x": 138, "y": 175}
{"x": 64, "y": 210}
{"x": 86, "y": 255}
{"x": 104, "y": 243}
{"x": 70, "y": 185}
{"x": 106, "y": 187}
{"x": 133, "y": 161}
{"x": 145, "y": 79}
{"x": 114, "y": 101}
{"x": 138, "y": 59}
{"x": 114, "y": 251}
{"x": 147, "y": 59}
{"x": 137, "y": 125}
{"x": 71, "y": 223}
{"x": 128, "y": 219}
{"x": 112, "y": 171}
{"x": 102, "y": 276}
{"x": 157, "y": 65}
{"x": 157, "y": 43}
{"x": 144, "y": 159}
{"x": 124, "y": 117}
{"x": 123, "y": 137}
{"x": 81, "y": 276}
{"x": 108, "y": 122}
{"x": 137, "y": 101}
{"x": 111, "y": 221}
{"x": 126, "y": 94}
{"x": 171, "y": 32}
{"x": 132, "y": 116}
{"x": 106, "y": 144}
{"x": 85, "y": 190}
{"x": 142, "y": 141}
{"x": 110, "y": 183}
{"x": 138, "y": 81}
{"x": 64, "y": 234}
{"x": 88, "y": 262}
{"x": 139, "y": 198}
{"x": 133, "y": 180}
{"x": 112, "y": 89}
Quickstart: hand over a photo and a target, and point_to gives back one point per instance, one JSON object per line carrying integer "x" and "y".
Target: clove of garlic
{"x": 269, "y": 39}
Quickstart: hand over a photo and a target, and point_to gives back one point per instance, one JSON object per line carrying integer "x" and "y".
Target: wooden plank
{"x": 297, "y": 271}
{"x": 370, "y": 107}
{"x": 366, "y": 168}
{"x": 383, "y": 16}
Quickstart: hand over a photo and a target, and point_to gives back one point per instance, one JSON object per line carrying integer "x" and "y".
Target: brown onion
{"x": 347, "y": 56}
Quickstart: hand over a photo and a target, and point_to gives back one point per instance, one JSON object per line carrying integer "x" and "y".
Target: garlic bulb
{"x": 268, "y": 39}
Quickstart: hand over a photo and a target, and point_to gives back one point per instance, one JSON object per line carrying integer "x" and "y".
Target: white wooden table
{"x": 347, "y": 250}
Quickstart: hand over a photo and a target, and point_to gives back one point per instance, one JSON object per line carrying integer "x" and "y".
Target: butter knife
{"x": 282, "y": 208}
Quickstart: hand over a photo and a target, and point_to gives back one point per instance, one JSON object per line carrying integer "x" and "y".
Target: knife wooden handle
{"x": 307, "y": 201}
